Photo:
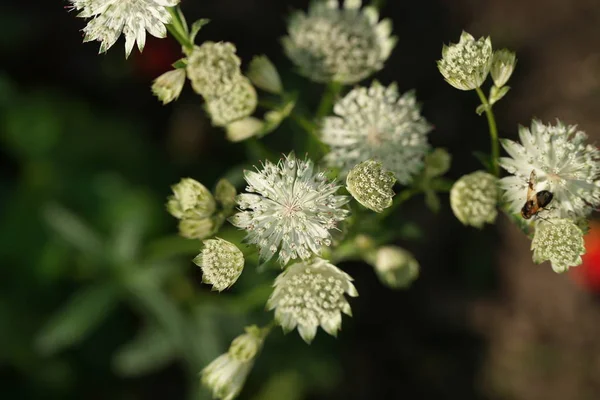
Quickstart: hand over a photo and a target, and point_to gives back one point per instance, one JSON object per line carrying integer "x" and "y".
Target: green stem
{"x": 493, "y": 132}
{"x": 178, "y": 30}
{"x": 331, "y": 92}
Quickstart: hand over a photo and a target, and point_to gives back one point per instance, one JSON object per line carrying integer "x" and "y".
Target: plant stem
{"x": 493, "y": 131}
{"x": 331, "y": 92}
{"x": 177, "y": 29}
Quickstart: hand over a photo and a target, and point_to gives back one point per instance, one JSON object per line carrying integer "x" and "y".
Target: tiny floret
{"x": 395, "y": 267}
{"x": 225, "y": 376}
{"x": 559, "y": 241}
{"x": 503, "y": 65}
{"x": 466, "y": 64}
{"x": 377, "y": 123}
{"x": 168, "y": 86}
{"x": 371, "y": 185}
{"x": 311, "y": 294}
{"x": 264, "y": 75}
{"x": 474, "y": 198}
{"x": 344, "y": 44}
{"x": 221, "y": 262}
{"x": 111, "y": 18}
{"x": 234, "y": 105}
{"x": 190, "y": 200}
{"x": 563, "y": 164}
{"x": 214, "y": 69}
{"x": 290, "y": 209}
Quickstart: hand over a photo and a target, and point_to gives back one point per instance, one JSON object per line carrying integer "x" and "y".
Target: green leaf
{"x": 481, "y": 109}
{"x": 150, "y": 351}
{"x": 498, "y": 93}
{"x": 85, "y": 311}
{"x": 181, "y": 63}
{"x": 196, "y": 26}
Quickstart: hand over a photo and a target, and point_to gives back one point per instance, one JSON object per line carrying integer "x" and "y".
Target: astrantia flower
{"x": 371, "y": 185}
{"x": 226, "y": 375}
{"x": 311, "y": 294}
{"x": 563, "y": 163}
{"x": 213, "y": 68}
{"x": 236, "y": 104}
{"x": 474, "y": 199}
{"x": 377, "y": 123}
{"x": 168, "y": 86}
{"x": 190, "y": 200}
{"x": 133, "y": 18}
{"x": 559, "y": 241}
{"x": 293, "y": 210}
{"x": 466, "y": 64}
{"x": 221, "y": 262}
{"x": 344, "y": 44}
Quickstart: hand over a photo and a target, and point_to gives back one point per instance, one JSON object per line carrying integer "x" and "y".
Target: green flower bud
{"x": 196, "y": 228}
{"x": 245, "y": 347}
{"x": 190, "y": 199}
{"x": 371, "y": 185}
{"x": 264, "y": 75}
{"x": 559, "y": 241}
{"x": 395, "y": 267}
{"x": 243, "y": 129}
{"x": 221, "y": 262}
{"x": 437, "y": 163}
{"x": 168, "y": 86}
{"x": 503, "y": 65}
{"x": 474, "y": 197}
{"x": 225, "y": 194}
{"x": 236, "y": 104}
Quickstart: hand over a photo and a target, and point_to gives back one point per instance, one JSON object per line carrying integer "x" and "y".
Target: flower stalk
{"x": 494, "y": 169}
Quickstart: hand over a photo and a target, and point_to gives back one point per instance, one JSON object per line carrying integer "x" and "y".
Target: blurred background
{"x": 99, "y": 298}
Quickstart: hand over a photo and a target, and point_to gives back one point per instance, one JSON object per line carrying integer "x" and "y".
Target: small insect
{"x": 536, "y": 201}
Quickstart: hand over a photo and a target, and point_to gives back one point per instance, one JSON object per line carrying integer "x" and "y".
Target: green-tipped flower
{"x": 474, "y": 197}
{"x": 559, "y": 241}
{"x": 226, "y": 375}
{"x": 225, "y": 194}
{"x": 343, "y": 44}
{"x": 236, "y": 104}
{"x": 243, "y": 129}
{"x": 196, "y": 228}
{"x": 221, "y": 262}
{"x": 503, "y": 65}
{"x": 311, "y": 294}
{"x": 168, "y": 86}
{"x": 190, "y": 199}
{"x": 395, "y": 267}
{"x": 371, "y": 185}
{"x": 466, "y": 64}
{"x": 213, "y": 68}
{"x": 264, "y": 75}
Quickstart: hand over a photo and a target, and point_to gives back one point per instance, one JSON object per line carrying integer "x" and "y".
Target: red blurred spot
{"x": 588, "y": 273}
{"x": 157, "y": 57}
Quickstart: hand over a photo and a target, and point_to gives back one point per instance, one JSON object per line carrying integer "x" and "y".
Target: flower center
{"x": 374, "y": 137}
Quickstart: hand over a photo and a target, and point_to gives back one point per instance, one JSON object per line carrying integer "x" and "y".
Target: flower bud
{"x": 225, "y": 194}
{"x": 245, "y": 347}
{"x": 168, "y": 86}
{"x": 243, "y": 129}
{"x": 474, "y": 197}
{"x": 395, "y": 267}
{"x": 559, "y": 241}
{"x": 196, "y": 228}
{"x": 437, "y": 163}
{"x": 466, "y": 64}
{"x": 371, "y": 185}
{"x": 190, "y": 199}
{"x": 221, "y": 262}
{"x": 264, "y": 75}
{"x": 503, "y": 65}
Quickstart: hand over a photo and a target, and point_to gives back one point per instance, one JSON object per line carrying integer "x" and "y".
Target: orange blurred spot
{"x": 588, "y": 273}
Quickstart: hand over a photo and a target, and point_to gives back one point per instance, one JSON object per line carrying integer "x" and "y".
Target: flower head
{"x": 168, "y": 86}
{"x": 221, "y": 262}
{"x": 466, "y": 64}
{"x": 190, "y": 200}
{"x": 226, "y": 375}
{"x": 559, "y": 241}
{"x": 311, "y": 294}
{"x": 371, "y": 185}
{"x": 110, "y": 18}
{"x": 474, "y": 199}
{"x": 395, "y": 267}
{"x": 234, "y": 105}
{"x": 214, "y": 68}
{"x": 290, "y": 208}
{"x": 563, "y": 163}
{"x": 503, "y": 65}
{"x": 377, "y": 123}
{"x": 333, "y": 43}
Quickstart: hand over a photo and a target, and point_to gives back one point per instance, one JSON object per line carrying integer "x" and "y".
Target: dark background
{"x": 81, "y": 132}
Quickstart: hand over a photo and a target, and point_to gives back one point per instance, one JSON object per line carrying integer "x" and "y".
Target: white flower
{"x": 503, "y": 65}
{"x": 395, "y": 267}
{"x": 345, "y": 44}
{"x": 563, "y": 163}
{"x": 293, "y": 210}
{"x": 311, "y": 294}
{"x": 559, "y": 241}
{"x": 377, "y": 123}
{"x": 236, "y": 104}
{"x": 110, "y": 18}
{"x": 221, "y": 262}
{"x": 226, "y": 375}
{"x": 474, "y": 199}
{"x": 466, "y": 64}
{"x": 190, "y": 200}
{"x": 371, "y": 185}
{"x": 214, "y": 69}
{"x": 168, "y": 86}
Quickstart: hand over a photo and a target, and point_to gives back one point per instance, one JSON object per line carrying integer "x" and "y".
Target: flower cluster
{"x": 474, "y": 198}
{"x": 221, "y": 262}
{"x": 311, "y": 294}
{"x": 290, "y": 208}
{"x": 371, "y": 185}
{"x": 466, "y": 64}
{"x": 344, "y": 44}
{"x": 377, "y": 123}
{"x": 559, "y": 241}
